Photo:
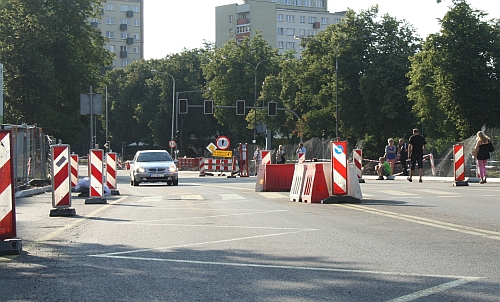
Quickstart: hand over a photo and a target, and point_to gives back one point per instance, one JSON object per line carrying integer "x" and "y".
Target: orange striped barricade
{"x": 9, "y": 245}
{"x": 111, "y": 165}
{"x": 459, "y": 165}
{"x": 358, "y": 160}
{"x": 316, "y": 178}
{"x": 96, "y": 188}
{"x": 74, "y": 170}
{"x": 61, "y": 181}
{"x": 297, "y": 182}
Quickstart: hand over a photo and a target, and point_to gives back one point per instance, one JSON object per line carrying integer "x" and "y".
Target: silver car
{"x": 153, "y": 166}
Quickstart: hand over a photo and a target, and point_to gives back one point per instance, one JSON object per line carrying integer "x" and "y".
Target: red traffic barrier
{"x": 315, "y": 188}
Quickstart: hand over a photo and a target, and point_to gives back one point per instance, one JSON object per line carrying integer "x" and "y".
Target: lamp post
{"x": 336, "y": 49}
{"x": 255, "y": 68}
{"x": 173, "y": 103}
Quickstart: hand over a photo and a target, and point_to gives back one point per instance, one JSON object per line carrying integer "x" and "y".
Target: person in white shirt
{"x": 257, "y": 157}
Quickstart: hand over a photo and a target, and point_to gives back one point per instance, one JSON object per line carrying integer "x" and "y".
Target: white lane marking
{"x": 437, "y": 192}
{"x": 272, "y": 195}
{"x": 201, "y": 243}
{"x": 428, "y": 222}
{"x": 231, "y": 197}
{"x": 148, "y": 199}
{"x": 192, "y": 197}
{"x": 397, "y": 193}
{"x": 305, "y": 268}
{"x": 433, "y": 290}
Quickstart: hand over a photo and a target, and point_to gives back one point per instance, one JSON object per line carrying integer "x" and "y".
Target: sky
{"x": 172, "y": 25}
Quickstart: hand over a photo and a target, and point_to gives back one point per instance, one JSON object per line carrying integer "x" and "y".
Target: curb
{"x": 31, "y": 192}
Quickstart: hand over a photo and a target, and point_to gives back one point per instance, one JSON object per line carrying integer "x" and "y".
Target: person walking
{"x": 280, "y": 155}
{"x": 482, "y": 150}
{"x": 403, "y": 155}
{"x": 390, "y": 153}
{"x": 257, "y": 156}
{"x": 416, "y": 147}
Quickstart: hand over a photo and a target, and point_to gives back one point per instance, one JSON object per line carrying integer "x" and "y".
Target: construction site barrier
{"x": 275, "y": 178}
{"x": 339, "y": 167}
{"x": 297, "y": 182}
{"x": 316, "y": 179}
{"x": 96, "y": 188}
{"x": 111, "y": 180}
{"x": 215, "y": 165}
{"x": 61, "y": 181}
{"x": 74, "y": 170}
{"x": 459, "y": 165}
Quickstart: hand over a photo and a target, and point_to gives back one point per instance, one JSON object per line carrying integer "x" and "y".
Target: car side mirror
{"x": 176, "y": 161}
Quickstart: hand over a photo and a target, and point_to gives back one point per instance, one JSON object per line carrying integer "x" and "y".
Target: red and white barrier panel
{"x": 61, "y": 184}
{"x": 111, "y": 170}
{"x": 96, "y": 190}
{"x": 301, "y": 157}
{"x": 216, "y": 165}
{"x": 7, "y": 194}
{"x": 266, "y": 157}
{"x": 339, "y": 167}
{"x": 459, "y": 168}
{"x": 202, "y": 166}
{"x": 74, "y": 170}
{"x": 358, "y": 159}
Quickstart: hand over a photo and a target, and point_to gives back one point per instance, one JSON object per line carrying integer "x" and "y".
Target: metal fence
{"x": 31, "y": 155}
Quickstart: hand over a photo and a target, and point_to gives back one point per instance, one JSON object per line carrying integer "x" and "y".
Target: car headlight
{"x": 172, "y": 169}
{"x": 141, "y": 170}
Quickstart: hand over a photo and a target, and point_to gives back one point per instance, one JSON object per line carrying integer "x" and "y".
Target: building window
{"x": 125, "y": 63}
{"x": 290, "y": 18}
{"x": 302, "y": 19}
{"x": 124, "y": 35}
{"x": 230, "y": 18}
{"x": 125, "y": 21}
{"x": 290, "y": 31}
{"x": 311, "y": 32}
{"x": 110, "y": 34}
{"x": 136, "y": 8}
{"x": 319, "y": 3}
{"x": 280, "y": 18}
{"x": 297, "y": 2}
{"x": 137, "y": 22}
{"x": 287, "y": 2}
{"x": 136, "y": 36}
{"x": 110, "y": 20}
{"x": 324, "y": 21}
{"x": 311, "y": 20}
{"x": 280, "y": 44}
{"x": 308, "y": 3}
{"x": 125, "y": 48}
{"x": 136, "y": 49}
{"x": 110, "y": 6}
{"x": 290, "y": 45}
{"x": 280, "y": 31}
{"x": 302, "y": 32}
{"x": 111, "y": 48}
{"x": 124, "y": 8}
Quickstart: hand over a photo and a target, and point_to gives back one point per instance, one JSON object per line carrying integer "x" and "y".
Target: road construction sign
{"x": 222, "y": 153}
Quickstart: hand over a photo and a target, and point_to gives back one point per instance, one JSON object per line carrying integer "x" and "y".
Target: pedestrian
{"x": 383, "y": 168}
{"x": 257, "y": 157}
{"x": 301, "y": 153}
{"x": 390, "y": 153}
{"x": 403, "y": 155}
{"x": 482, "y": 153}
{"x": 280, "y": 155}
{"x": 301, "y": 149}
{"x": 416, "y": 147}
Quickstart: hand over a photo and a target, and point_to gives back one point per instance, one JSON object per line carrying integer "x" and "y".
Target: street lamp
{"x": 255, "y": 67}
{"x": 336, "y": 49}
{"x": 173, "y": 103}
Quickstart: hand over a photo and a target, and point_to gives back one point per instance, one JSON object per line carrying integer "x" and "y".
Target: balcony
{"x": 243, "y": 21}
{"x": 123, "y": 54}
{"x": 123, "y": 26}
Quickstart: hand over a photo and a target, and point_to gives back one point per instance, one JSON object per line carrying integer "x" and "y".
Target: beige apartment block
{"x": 122, "y": 22}
{"x": 279, "y": 21}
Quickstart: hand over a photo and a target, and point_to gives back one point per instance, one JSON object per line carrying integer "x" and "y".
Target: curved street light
{"x": 173, "y": 103}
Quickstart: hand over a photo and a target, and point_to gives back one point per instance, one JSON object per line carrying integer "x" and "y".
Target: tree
{"x": 51, "y": 54}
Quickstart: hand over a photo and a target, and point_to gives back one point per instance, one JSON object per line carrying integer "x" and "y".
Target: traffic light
{"x": 240, "y": 107}
{"x": 177, "y": 135}
{"x": 209, "y": 107}
{"x": 183, "y": 106}
{"x": 272, "y": 107}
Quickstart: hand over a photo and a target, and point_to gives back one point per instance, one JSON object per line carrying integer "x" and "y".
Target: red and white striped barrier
{"x": 459, "y": 165}
{"x": 111, "y": 170}
{"x": 202, "y": 166}
{"x": 74, "y": 170}
{"x": 301, "y": 157}
{"x": 61, "y": 171}
{"x": 7, "y": 194}
{"x": 358, "y": 160}
{"x": 96, "y": 189}
{"x": 339, "y": 167}
{"x": 266, "y": 157}
{"x": 216, "y": 165}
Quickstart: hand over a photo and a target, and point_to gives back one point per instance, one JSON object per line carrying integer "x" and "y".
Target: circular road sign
{"x": 172, "y": 144}
{"x": 222, "y": 142}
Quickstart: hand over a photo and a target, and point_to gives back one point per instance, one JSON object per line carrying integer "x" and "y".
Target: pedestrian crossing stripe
{"x": 272, "y": 195}
{"x": 231, "y": 196}
{"x": 192, "y": 197}
{"x": 437, "y": 192}
{"x": 397, "y": 193}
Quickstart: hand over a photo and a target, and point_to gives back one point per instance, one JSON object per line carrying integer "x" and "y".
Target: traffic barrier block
{"x": 354, "y": 194}
{"x": 297, "y": 182}
{"x": 315, "y": 188}
{"x": 276, "y": 178}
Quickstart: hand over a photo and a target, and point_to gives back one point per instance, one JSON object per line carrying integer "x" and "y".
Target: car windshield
{"x": 154, "y": 156}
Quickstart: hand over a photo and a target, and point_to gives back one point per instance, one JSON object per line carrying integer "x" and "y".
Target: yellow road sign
{"x": 222, "y": 153}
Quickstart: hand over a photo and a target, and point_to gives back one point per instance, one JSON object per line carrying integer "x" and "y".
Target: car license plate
{"x": 156, "y": 175}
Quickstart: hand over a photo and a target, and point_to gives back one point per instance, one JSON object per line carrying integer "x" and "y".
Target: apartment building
{"x": 122, "y": 22}
{"x": 279, "y": 21}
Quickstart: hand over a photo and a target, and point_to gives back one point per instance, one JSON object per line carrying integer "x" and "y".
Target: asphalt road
{"x": 216, "y": 239}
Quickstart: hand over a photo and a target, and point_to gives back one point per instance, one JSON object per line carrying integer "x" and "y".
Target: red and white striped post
{"x": 111, "y": 165}
{"x": 74, "y": 170}
{"x": 339, "y": 167}
{"x": 459, "y": 165}
{"x": 243, "y": 149}
{"x": 358, "y": 160}
{"x": 61, "y": 181}
{"x": 8, "y": 244}
{"x": 202, "y": 166}
{"x": 266, "y": 157}
{"x": 301, "y": 157}
{"x": 96, "y": 188}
